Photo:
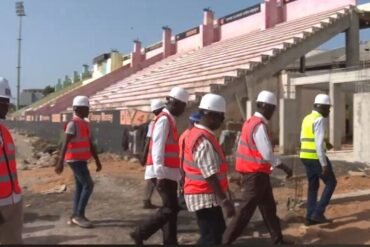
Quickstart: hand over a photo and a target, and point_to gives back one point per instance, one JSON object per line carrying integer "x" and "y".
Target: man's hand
{"x": 98, "y": 166}
{"x": 329, "y": 146}
{"x": 325, "y": 171}
{"x": 228, "y": 207}
{"x": 286, "y": 169}
{"x": 59, "y": 168}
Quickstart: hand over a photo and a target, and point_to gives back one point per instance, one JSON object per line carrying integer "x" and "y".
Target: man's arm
{"x": 60, "y": 165}
{"x": 263, "y": 143}
{"x": 207, "y": 160}
{"x": 95, "y": 155}
{"x": 146, "y": 151}
{"x": 159, "y": 138}
{"x": 319, "y": 132}
{"x": 70, "y": 132}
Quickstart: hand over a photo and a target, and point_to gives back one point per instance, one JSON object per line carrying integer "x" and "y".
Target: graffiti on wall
{"x": 134, "y": 117}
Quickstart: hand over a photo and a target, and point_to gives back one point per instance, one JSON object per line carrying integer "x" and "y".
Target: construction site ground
{"x": 116, "y": 206}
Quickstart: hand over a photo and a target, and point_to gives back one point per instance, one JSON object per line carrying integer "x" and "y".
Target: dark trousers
{"x": 149, "y": 189}
{"x": 314, "y": 174}
{"x": 211, "y": 224}
{"x": 165, "y": 218}
{"x": 84, "y": 187}
{"x": 258, "y": 193}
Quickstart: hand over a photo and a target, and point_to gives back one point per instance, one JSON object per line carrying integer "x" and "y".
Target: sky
{"x": 59, "y": 36}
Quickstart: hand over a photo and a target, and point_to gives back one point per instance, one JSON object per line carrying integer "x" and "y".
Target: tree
{"x": 59, "y": 85}
{"x": 48, "y": 90}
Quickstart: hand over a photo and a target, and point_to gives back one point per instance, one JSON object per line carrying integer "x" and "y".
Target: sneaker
{"x": 136, "y": 238}
{"x": 82, "y": 222}
{"x": 320, "y": 220}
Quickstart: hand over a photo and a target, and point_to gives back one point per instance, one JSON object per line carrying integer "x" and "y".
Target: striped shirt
{"x": 208, "y": 161}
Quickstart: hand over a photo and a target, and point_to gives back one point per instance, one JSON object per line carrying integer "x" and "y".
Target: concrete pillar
{"x": 353, "y": 42}
{"x": 361, "y": 132}
{"x": 337, "y": 116}
{"x": 136, "y": 56}
{"x": 207, "y": 30}
{"x": 251, "y": 101}
{"x": 289, "y": 126}
{"x": 166, "y": 42}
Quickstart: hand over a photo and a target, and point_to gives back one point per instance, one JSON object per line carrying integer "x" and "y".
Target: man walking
{"x": 156, "y": 106}
{"x": 11, "y": 210}
{"x": 205, "y": 169}
{"x": 317, "y": 165}
{"x": 77, "y": 149}
{"x": 163, "y": 158}
{"x": 254, "y": 160}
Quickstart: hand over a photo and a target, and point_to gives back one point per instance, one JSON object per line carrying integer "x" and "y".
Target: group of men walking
{"x": 196, "y": 163}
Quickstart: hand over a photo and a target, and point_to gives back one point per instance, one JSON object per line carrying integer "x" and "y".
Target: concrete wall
{"x": 153, "y": 53}
{"x": 190, "y": 43}
{"x": 246, "y": 25}
{"x": 361, "y": 138}
{"x": 300, "y": 8}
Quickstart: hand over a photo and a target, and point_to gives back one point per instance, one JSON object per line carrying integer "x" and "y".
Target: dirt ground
{"x": 116, "y": 208}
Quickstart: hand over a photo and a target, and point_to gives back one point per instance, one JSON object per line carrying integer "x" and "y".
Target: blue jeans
{"x": 314, "y": 174}
{"x": 84, "y": 187}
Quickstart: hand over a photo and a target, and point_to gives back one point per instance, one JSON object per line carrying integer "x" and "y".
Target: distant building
{"x": 28, "y": 96}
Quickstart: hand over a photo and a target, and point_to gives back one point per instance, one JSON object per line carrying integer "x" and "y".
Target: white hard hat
{"x": 179, "y": 94}
{"x": 81, "y": 101}
{"x": 322, "y": 99}
{"x": 267, "y": 97}
{"x": 156, "y": 104}
{"x": 213, "y": 102}
{"x": 4, "y": 88}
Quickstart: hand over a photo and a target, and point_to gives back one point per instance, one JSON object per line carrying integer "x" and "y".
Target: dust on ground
{"x": 116, "y": 208}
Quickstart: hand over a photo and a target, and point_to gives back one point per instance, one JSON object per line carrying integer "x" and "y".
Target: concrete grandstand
{"x": 235, "y": 56}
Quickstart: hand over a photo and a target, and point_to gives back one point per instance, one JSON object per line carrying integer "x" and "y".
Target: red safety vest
{"x": 182, "y": 140}
{"x": 79, "y": 146}
{"x": 248, "y": 158}
{"x": 8, "y": 168}
{"x": 195, "y": 183}
{"x": 171, "y": 150}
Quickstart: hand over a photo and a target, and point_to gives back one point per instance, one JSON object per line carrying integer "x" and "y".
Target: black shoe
{"x": 309, "y": 222}
{"x": 284, "y": 242}
{"x": 320, "y": 220}
{"x": 149, "y": 205}
{"x": 136, "y": 238}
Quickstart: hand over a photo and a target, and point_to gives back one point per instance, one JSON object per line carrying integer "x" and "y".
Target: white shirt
{"x": 319, "y": 132}
{"x": 150, "y": 128}
{"x": 263, "y": 143}
{"x": 159, "y": 138}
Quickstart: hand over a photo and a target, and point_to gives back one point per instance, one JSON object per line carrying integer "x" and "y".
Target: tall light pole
{"x": 20, "y": 12}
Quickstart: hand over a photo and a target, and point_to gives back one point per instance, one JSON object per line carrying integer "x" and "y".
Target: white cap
{"x": 4, "y": 88}
{"x": 179, "y": 94}
{"x": 267, "y": 97}
{"x": 213, "y": 102}
{"x": 156, "y": 104}
{"x": 81, "y": 101}
{"x": 322, "y": 99}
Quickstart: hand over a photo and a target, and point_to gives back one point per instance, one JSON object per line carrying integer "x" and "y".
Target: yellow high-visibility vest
{"x": 308, "y": 147}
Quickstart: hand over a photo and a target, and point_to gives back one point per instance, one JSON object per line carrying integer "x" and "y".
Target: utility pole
{"x": 20, "y": 13}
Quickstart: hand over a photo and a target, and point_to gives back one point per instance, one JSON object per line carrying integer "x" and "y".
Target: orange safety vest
{"x": 8, "y": 169}
{"x": 79, "y": 146}
{"x": 248, "y": 158}
{"x": 182, "y": 140}
{"x": 171, "y": 150}
{"x": 195, "y": 183}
